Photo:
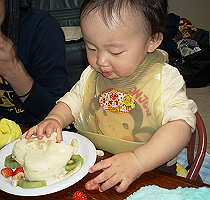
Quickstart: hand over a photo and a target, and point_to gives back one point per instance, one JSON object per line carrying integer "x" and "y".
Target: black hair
{"x": 153, "y": 11}
{"x": 11, "y": 21}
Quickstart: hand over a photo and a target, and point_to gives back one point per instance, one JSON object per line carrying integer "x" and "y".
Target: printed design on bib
{"x": 117, "y": 102}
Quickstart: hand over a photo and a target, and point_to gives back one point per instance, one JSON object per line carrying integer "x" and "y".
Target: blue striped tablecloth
{"x": 205, "y": 168}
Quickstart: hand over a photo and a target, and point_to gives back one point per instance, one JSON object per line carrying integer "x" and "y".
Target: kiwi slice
{"x": 9, "y": 162}
{"x": 74, "y": 161}
{"x": 31, "y": 184}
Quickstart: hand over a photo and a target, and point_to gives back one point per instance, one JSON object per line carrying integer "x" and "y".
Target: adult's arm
{"x": 46, "y": 64}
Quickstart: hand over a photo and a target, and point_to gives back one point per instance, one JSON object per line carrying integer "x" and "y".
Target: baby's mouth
{"x": 106, "y": 74}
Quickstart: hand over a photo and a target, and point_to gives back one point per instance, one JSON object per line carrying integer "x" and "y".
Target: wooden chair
{"x": 195, "y": 162}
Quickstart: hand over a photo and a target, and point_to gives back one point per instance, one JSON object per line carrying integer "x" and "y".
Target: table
{"x": 155, "y": 177}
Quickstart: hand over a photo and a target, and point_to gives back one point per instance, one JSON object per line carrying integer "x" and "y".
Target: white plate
{"x": 86, "y": 150}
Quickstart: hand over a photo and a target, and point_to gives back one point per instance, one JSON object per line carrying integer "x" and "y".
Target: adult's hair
{"x": 11, "y": 21}
{"x": 153, "y": 11}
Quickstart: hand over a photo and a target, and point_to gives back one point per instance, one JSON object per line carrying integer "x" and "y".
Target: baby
{"x": 129, "y": 101}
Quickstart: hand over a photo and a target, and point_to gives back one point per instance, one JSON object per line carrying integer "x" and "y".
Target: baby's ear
{"x": 154, "y": 42}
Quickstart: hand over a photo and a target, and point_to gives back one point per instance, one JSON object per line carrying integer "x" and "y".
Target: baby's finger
{"x": 29, "y": 133}
{"x": 104, "y": 176}
{"x": 24, "y": 135}
{"x": 50, "y": 128}
{"x": 112, "y": 181}
{"x": 59, "y": 135}
{"x": 123, "y": 186}
{"x": 103, "y": 164}
{"x": 40, "y": 130}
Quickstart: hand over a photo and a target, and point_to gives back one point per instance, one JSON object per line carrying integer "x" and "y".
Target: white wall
{"x": 197, "y": 11}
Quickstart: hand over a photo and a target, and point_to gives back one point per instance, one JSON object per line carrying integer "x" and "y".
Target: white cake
{"x": 42, "y": 159}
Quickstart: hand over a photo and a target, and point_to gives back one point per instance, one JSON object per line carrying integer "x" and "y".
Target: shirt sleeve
{"x": 176, "y": 104}
{"x": 74, "y": 98}
{"x": 46, "y": 63}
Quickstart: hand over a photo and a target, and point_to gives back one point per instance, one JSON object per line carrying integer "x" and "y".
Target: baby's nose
{"x": 102, "y": 61}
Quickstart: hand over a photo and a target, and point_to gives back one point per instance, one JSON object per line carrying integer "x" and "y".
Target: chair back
{"x": 194, "y": 163}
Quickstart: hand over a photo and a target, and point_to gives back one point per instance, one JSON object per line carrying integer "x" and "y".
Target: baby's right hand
{"x": 47, "y": 126}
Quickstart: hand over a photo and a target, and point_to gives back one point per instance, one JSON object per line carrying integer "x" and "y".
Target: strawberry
{"x": 89, "y": 186}
{"x": 18, "y": 170}
{"x": 78, "y": 195}
{"x": 7, "y": 172}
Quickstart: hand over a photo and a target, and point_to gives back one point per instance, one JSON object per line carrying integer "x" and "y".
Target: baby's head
{"x": 119, "y": 33}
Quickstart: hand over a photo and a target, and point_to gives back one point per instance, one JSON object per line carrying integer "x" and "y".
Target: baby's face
{"x": 118, "y": 50}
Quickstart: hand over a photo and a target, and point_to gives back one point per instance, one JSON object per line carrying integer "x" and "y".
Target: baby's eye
{"x": 90, "y": 49}
{"x": 115, "y": 54}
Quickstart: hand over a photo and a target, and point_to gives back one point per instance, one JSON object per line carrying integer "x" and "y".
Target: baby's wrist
{"x": 141, "y": 168}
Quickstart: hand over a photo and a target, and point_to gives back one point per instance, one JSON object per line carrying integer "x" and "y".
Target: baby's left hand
{"x": 122, "y": 168}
